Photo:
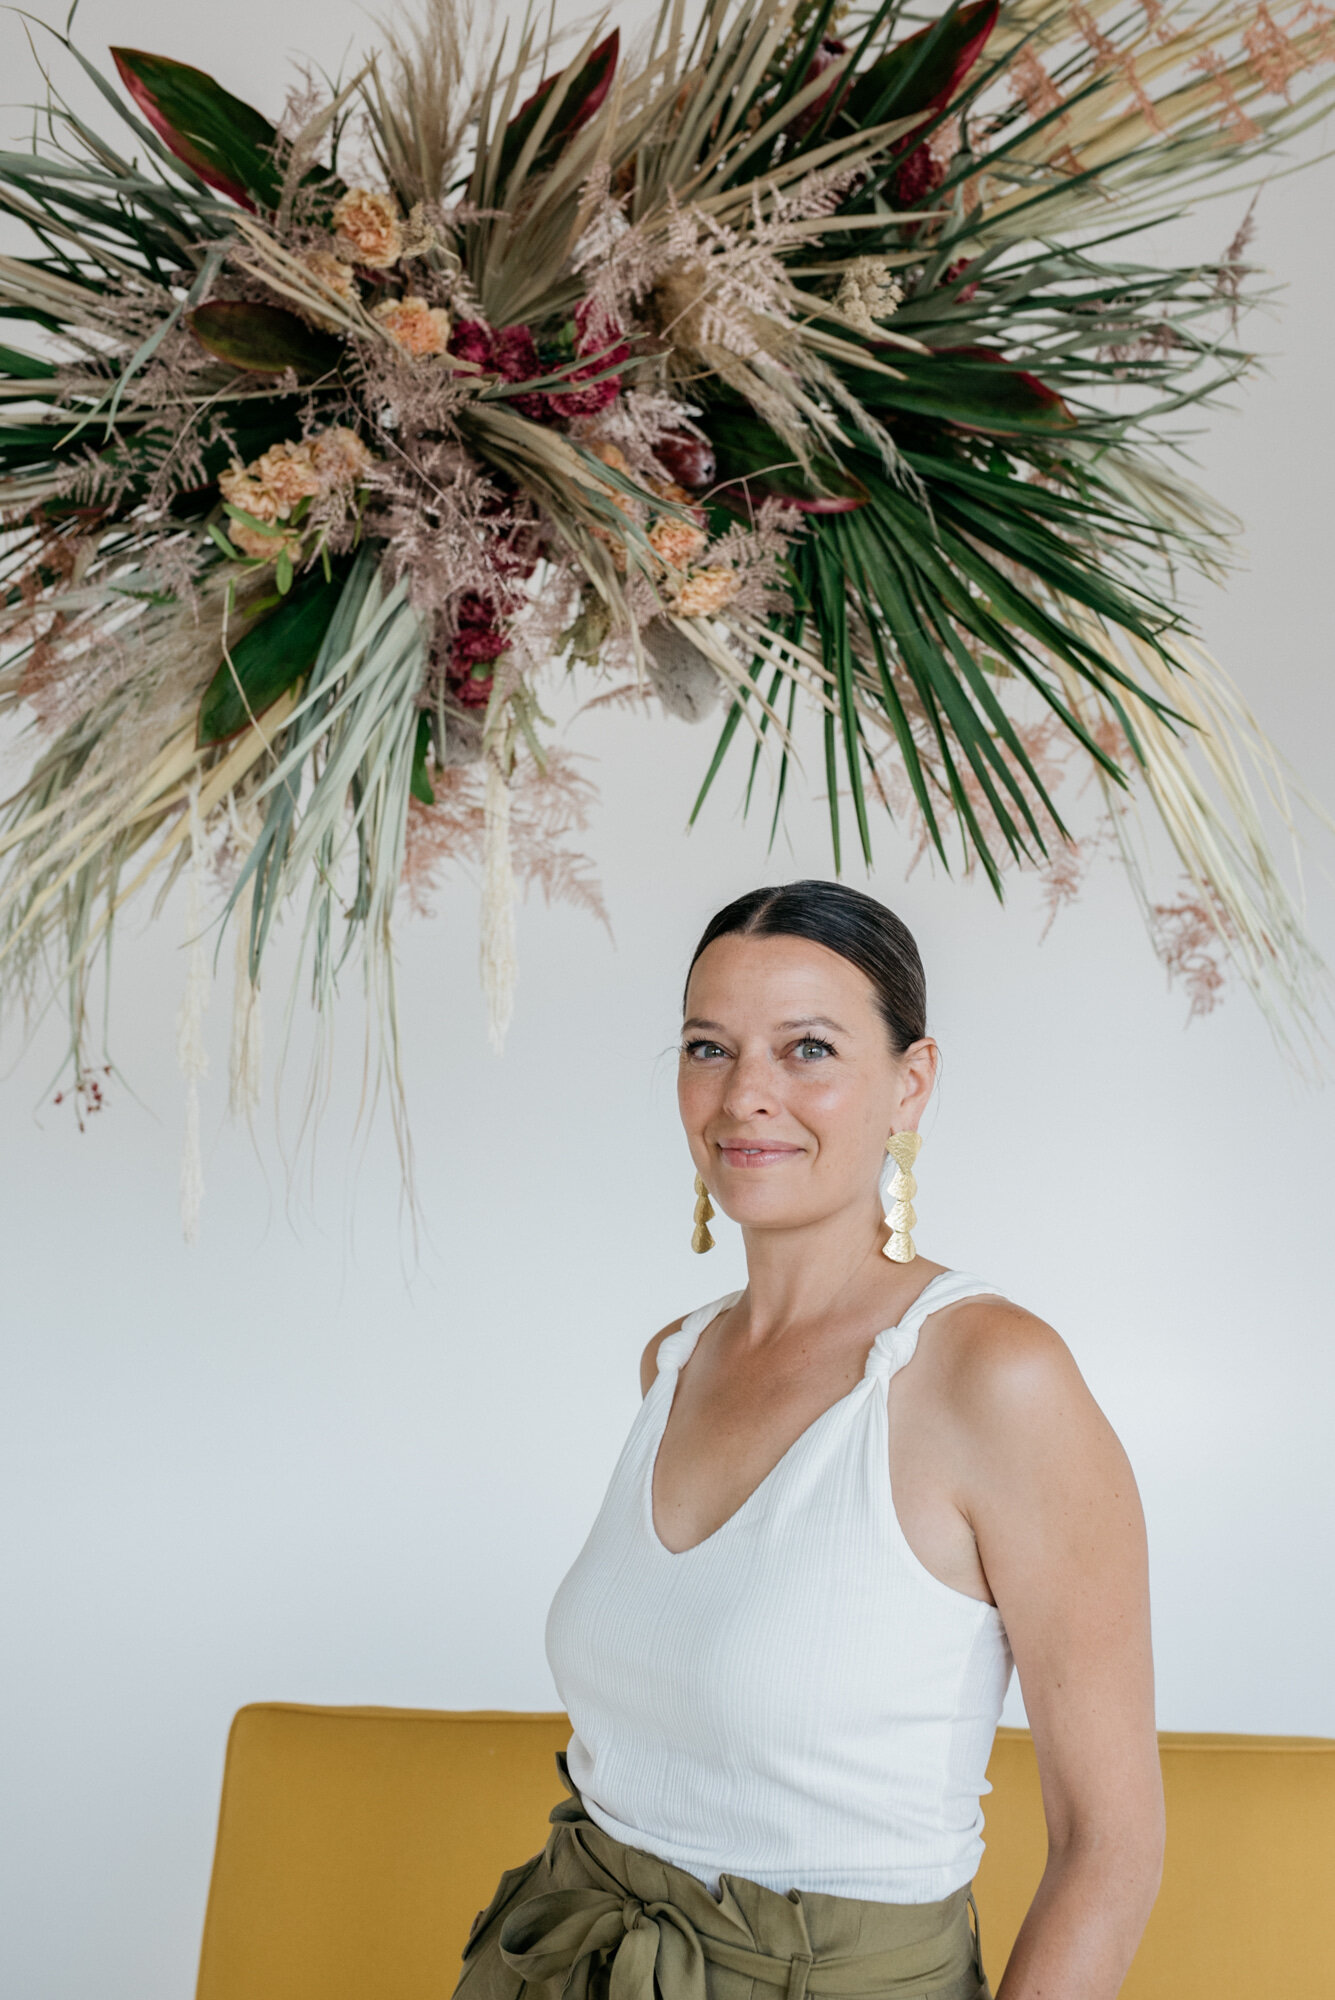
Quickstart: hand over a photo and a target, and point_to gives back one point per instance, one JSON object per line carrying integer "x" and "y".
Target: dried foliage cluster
{"x": 808, "y": 354}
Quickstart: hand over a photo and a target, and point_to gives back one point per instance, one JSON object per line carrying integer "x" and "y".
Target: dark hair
{"x": 844, "y": 920}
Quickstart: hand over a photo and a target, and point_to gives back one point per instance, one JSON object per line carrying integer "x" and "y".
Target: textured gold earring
{"x": 701, "y": 1240}
{"x": 900, "y": 1216}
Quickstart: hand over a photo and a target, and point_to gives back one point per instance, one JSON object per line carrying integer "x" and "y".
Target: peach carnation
{"x": 240, "y": 486}
{"x": 678, "y": 542}
{"x": 339, "y": 456}
{"x": 265, "y": 543}
{"x": 287, "y": 472}
{"x": 280, "y": 478}
{"x": 704, "y": 594}
{"x": 368, "y": 226}
{"x": 416, "y": 326}
{"x": 264, "y": 547}
{"x": 268, "y": 490}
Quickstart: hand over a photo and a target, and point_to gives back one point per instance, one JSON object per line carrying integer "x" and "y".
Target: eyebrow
{"x": 807, "y": 1021}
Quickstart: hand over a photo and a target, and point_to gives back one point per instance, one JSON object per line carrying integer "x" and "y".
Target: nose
{"x": 752, "y": 1086}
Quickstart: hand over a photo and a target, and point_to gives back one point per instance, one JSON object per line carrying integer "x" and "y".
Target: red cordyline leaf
{"x": 599, "y": 69}
{"x": 914, "y": 77}
{"x": 984, "y": 13}
{"x": 1047, "y": 397}
{"x": 167, "y": 132}
{"x": 583, "y": 98}
{"x": 740, "y": 495}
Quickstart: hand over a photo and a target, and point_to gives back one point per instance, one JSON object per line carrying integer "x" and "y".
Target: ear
{"x": 917, "y": 1078}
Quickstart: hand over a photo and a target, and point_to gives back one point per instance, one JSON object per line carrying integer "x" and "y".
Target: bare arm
{"x": 1060, "y": 1531}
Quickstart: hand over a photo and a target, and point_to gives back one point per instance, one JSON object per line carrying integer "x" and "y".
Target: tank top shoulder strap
{"x": 895, "y": 1346}
{"x": 676, "y": 1350}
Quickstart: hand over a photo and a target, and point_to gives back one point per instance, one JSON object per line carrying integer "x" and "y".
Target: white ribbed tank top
{"x": 796, "y": 1699}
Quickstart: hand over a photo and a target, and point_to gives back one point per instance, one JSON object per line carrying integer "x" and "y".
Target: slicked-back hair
{"x": 844, "y": 920}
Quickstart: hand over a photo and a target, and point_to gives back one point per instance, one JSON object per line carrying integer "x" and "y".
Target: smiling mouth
{"x": 757, "y": 1156}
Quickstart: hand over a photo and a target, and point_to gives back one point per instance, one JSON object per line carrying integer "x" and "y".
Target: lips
{"x": 744, "y": 1156}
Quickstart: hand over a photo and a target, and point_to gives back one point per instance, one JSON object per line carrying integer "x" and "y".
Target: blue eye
{"x": 815, "y": 1042}
{"x": 701, "y": 1051}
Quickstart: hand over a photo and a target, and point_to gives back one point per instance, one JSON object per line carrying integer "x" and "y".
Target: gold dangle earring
{"x": 701, "y": 1240}
{"x": 900, "y": 1216}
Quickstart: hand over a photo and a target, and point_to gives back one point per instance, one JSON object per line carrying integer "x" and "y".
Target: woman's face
{"x": 788, "y": 1085}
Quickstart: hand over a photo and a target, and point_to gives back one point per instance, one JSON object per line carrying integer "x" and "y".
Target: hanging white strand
{"x": 244, "y": 1069}
{"x": 496, "y": 953}
{"x": 497, "y": 961}
{"x": 191, "y": 1054}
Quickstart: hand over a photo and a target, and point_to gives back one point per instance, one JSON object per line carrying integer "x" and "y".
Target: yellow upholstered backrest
{"x": 356, "y": 1844}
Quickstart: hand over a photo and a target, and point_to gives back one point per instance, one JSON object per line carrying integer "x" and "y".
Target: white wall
{"x": 292, "y": 1463}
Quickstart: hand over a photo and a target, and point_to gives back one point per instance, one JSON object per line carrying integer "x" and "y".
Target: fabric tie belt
{"x": 591, "y": 1918}
{"x": 653, "y": 1948}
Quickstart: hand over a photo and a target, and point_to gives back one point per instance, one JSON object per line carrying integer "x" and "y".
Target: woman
{"x": 783, "y": 1684}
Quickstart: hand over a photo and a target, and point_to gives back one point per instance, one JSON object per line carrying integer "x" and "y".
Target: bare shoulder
{"x": 649, "y": 1359}
{"x": 1011, "y": 1376}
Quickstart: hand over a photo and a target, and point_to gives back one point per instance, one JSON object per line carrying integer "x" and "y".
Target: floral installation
{"x": 807, "y": 357}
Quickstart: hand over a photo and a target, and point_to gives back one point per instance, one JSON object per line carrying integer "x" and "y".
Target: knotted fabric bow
{"x": 561, "y": 1936}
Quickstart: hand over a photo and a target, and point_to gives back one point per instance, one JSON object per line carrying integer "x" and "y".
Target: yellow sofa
{"x": 355, "y": 1846}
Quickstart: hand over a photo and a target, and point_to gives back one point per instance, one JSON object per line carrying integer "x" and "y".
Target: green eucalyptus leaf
{"x": 271, "y": 656}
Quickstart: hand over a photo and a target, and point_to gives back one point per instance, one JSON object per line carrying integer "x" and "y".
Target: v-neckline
{"x": 728, "y": 1300}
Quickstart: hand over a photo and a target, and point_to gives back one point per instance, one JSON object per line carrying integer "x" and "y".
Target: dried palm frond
{"x": 798, "y": 357}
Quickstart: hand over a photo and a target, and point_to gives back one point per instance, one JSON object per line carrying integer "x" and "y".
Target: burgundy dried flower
{"x": 508, "y": 351}
{"x": 477, "y": 637}
{"x": 515, "y": 355}
{"x": 689, "y": 459}
{"x": 600, "y": 337}
{"x": 831, "y": 48}
{"x": 920, "y": 174}
{"x": 470, "y": 693}
{"x": 476, "y": 641}
{"x": 512, "y": 352}
{"x": 472, "y": 648}
{"x": 471, "y": 340}
{"x": 957, "y": 270}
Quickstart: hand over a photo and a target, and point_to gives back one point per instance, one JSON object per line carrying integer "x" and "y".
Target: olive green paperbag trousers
{"x": 592, "y": 1919}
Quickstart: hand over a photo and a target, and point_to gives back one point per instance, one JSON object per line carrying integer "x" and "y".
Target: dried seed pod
{"x": 684, "y": 680}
